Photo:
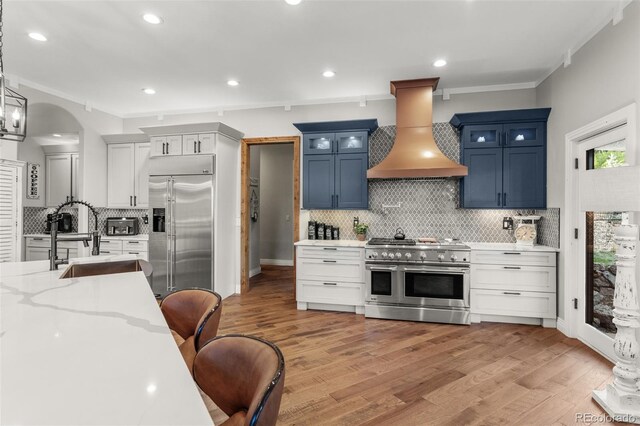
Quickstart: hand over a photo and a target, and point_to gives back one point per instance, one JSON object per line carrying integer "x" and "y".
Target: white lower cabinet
{"x": 110, "y": 247}
{"x": 330, "y": 278}
{"x": 513, "y": 286}
{"x": 39, "y": 248}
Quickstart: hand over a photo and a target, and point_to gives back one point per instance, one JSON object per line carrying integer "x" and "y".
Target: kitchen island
{"x": 89, "y": 350}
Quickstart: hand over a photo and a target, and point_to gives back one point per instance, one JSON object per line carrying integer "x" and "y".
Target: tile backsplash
{"x": 35, "y": 218}
{"x": 430, "y": 207}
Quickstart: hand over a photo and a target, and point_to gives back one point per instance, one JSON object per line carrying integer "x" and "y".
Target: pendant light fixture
{"x": 13, "y": 107}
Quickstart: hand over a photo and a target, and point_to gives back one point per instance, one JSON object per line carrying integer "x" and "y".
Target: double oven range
{"x": 415, "y": 281}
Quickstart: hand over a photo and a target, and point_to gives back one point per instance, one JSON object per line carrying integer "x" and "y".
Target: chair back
{"x": 193, "y": 312}
{"x": 243, "y": 376}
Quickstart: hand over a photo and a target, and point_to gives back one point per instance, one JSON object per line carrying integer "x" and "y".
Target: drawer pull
{"x": 329, "y": 261}
{"x": 512, "y": 267}
{"x": 330, "y": 283}
{"x": 134, "y": 252}
{"x": 329, "y": 248}
{"x": 38, "y": 239}
{"x": 512, "y": 252}
{"x": 512, "y": 293}
{"x": 104, "y": 251}
{"x": 133, "y": 242}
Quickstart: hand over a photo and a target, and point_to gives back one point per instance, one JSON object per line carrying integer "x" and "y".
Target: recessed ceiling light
{"x": 233, "y": 82}
{"x": 57, "y": 135}
{"x": 37, "y": 36}
{"x": 293, "y": 2}
{"x": 152, "y": 19}
{"x": 329, "y": 73}
{"x": 149, "y": 91}
{"x": 440, "y": 63}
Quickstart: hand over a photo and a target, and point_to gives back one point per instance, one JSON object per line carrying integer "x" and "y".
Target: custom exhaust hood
{"x": 414, "y": 153}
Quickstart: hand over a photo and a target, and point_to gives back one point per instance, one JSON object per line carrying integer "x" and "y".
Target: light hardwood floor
{"x": 344, "y": 369}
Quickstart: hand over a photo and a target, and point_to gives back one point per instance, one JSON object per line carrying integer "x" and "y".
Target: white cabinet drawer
{"x": 110, "y": 245}
{"x": 513, "y": 303}
{"x": 38, "y": 242}
{"x": 331, "y": 292}
{"x": 345, "y": 253}
{"x": 134, "y": 245}
{"x": 519, "y": 258}
{"x": 45, "y": 242}
{"x": 330, "y": 270}
{"x": 526, "y": 278}
{"x": 109, "y": 252}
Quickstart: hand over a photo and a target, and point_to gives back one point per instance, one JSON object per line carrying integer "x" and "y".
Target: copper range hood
{"x": 414, "y": 153}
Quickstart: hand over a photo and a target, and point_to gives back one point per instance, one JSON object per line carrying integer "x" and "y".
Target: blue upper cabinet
{"x": 506, "y": 153}
{"x": 335, "y": 163}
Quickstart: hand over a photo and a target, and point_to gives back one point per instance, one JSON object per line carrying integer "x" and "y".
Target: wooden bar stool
{"x": 243, "y": 376}
{"x": 193, "y": 315}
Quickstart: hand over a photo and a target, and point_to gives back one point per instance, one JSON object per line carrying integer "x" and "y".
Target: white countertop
{"x": 86, "y": 351}
{"x": 139, "y": 237}
{"x": 509, "y": 247}
{"x": 331, "y": 243}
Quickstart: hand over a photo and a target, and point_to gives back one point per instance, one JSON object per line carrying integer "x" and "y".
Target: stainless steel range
{"x": 417, "y": 281}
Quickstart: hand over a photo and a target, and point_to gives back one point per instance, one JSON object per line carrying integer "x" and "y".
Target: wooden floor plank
{"x": 343, "y": 369}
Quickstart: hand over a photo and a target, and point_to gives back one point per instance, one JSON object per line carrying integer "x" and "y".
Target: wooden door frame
{"x": 245, "y": 163}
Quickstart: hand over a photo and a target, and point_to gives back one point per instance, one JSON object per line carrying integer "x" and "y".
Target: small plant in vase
{"x": 361, "y": 231}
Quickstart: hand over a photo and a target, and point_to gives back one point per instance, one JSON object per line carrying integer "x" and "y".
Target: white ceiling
{"x": 101, "y": 52}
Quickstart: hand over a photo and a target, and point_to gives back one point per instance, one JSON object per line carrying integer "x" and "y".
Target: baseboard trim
{"x": 255, "y": 271}
{"x": 277, "y": 262}
{"x": 562, "y": 327}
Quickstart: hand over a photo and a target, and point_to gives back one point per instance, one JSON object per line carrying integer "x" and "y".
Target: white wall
{"x": 278, "y": 122}
{"x": 603, "y": 77}
{"x": 276, "y": 202}
{"x": 93, "y": 150}
{"x": 254, "y": 233}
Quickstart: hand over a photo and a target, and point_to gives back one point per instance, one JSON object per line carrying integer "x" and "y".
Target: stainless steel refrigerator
{"x": 181, "y": 200}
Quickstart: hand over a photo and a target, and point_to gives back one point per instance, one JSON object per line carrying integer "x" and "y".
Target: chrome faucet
{"x": 94, "y": 237}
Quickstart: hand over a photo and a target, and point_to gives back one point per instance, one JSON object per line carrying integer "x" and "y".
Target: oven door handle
{"x": 382, "y": 268}
{"x": 439, "y": 271}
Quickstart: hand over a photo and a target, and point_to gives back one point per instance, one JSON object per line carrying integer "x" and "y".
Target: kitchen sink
{"x": 78, "y": 270}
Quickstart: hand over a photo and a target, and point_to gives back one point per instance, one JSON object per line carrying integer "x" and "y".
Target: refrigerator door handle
{"x": 173, "y": 235}
{"x": 168, "y": 225}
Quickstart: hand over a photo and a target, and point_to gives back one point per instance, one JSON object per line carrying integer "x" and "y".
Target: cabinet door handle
{"x": 329, "y": 261}
{"x": 512, "y": 293}
{"x": 504, "y": 199}
{"x": 330, "y": 283}
{"x": 135, "y": 200}
{"x": 337, "y": 200}
{"x": 498, "y": 199}
{"x": 162, "y": 148}
{"x": 512, "y": 267}
{"x": 67, "y": 198}
{"x": 130, "y": 200}
{"x": 199, "y": 144}
{"x": 194, "y": 147}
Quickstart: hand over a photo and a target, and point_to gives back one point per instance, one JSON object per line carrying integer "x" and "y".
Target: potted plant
{"x": 361, "y": 231}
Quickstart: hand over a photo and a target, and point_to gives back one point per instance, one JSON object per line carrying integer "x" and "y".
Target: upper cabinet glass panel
{"x": 318, "y": 143}
{"x": 351, "y": 141}
{"x": 482, "y": 136}
{"x": 526, "y": 134}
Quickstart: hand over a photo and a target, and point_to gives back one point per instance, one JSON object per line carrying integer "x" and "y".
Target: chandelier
{"x": 13, "y": 106}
